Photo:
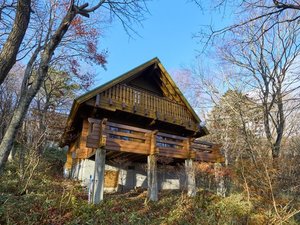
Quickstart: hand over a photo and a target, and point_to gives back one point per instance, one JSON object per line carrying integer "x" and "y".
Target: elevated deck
{"x": 128, "y": 139}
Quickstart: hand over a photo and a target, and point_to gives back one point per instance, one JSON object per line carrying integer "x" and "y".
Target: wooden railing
{"x": 172, "y": 146}
{"x": 123, "y": 138}
{"x": 205, "y": 151}
{"x": 144, "y": 103}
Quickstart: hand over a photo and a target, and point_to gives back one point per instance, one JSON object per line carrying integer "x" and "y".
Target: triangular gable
{"x": 168, "y": 86}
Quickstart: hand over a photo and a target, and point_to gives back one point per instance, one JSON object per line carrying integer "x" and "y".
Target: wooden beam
{"x": 97, "y": 103}
{"x": 153, "y": 148}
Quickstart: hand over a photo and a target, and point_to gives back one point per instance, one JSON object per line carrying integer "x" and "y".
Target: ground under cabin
{"x": 124, "y": 133}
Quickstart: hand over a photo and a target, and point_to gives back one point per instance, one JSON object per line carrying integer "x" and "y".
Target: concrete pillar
{"x": 81, "y": 172}
{"x": 190, "y": 177}
{"x": 221, "y": 189}
{"x": 152, "y": 178}
{"x": 99, "y": 175}
{"x": 78, "y": 169}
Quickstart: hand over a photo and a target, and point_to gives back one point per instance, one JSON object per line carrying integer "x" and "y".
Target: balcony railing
{"x": 123, "y": 138}
{"x": 137, "y": 101}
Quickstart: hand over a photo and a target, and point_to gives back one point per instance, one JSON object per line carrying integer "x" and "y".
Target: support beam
{"x": 152, "y": 178}
{"x": 99, "y": 175}
{"x": 190, "y": 177}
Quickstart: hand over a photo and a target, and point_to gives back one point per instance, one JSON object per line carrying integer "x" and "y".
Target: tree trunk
{"x": 28, "y": 94}
{"x": 10, "y": 134}
{"x": 11, "y": 47}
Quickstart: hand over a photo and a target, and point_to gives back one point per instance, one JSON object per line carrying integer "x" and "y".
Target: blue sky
{"x": 167, "y": 33}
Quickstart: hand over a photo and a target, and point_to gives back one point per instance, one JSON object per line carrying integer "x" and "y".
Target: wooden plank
{"x": 97, "y": 100}
{"x": 123, "y": 134}
{"x": 127, "y": 127}
{"x": 118, "y": 148}
{"x": 153, "y": 148}
{"x": 172, "y": 150}
{"x": 171, "y": 136}
{"x": 111, "y": 178}
{"x": 126, "y": 144}
{"x": 179, "y": 143}
{"x": 172, "y": 155}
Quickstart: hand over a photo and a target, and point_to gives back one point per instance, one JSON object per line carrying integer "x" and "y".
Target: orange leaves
{"x": 79, "y": 27}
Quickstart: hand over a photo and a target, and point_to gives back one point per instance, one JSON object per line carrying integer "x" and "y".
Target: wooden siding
{"x": 111, "y": 178}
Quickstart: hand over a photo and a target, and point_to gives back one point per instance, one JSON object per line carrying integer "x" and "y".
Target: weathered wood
{"x": 128, "y": 135}
{"x": 99, "y": 175}
{"x": 152, "y": 178}
{"x": 173, "y": 153}
{"x": 153, "y": 148}
{"x": 190, "y": 178}
{"x": 126, "y": 146}
{"x": 111, "y": 124}
{"x": 178, "y": 143}
{"x": 171, "y": 136}
{"x": 124, "y": 138}
{"x": 97, "y": 136}
{"x": 97, "y": 103}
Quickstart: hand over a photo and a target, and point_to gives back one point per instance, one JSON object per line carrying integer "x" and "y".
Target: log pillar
{"x": 98, "y": 188}
{"x": 152, "y": 178}
{"x": 190, "y": 177}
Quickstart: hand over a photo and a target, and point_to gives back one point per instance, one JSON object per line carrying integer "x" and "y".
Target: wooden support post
{"x": 99, "y": 175}
{"x": 221, "y": 189}
{"x": 152, "y": 178}
{"x": 190, "y": 177}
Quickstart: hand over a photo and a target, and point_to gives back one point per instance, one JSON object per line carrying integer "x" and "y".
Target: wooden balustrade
{"x": 123, "y": 138}
{"x": 141, "y": 102}
{"x": 205, "y": 151}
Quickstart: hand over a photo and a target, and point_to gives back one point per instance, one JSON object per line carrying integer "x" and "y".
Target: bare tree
{"x": 268, "y": 13}
{"x": 268, "y": 67}
{"x": 11, "y": 47}
{"x": 46, "y": 45}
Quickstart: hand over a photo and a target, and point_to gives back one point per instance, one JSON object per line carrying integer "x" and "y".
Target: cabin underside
{"x": 127, "y": 153}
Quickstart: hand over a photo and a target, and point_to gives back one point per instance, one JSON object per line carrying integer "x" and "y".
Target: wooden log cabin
{"x": 140, "y": 118}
